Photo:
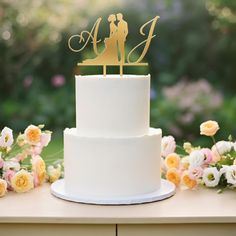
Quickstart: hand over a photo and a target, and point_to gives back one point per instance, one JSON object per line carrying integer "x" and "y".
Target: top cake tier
{"x": 112, "y": 106}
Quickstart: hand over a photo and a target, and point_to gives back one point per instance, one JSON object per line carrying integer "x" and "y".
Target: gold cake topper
{"x": 113, "y": 53}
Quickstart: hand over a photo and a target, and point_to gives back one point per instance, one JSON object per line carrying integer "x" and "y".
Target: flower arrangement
{"x": 193, "y": 166}
{"x": 21, "y": 166}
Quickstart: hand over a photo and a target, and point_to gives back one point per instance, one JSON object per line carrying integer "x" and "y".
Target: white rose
{"x": 6, "y": 138}
{"x": 211, "y": 177}
{"x": 235, "y": 146}
{"x": 223, "y": 170}
{"x": 168, "y": 145}
{"x": 220, "y": 148}
{"x": 231, "y": 175}
{"x": 14, "y": 165}
{"x": 45, "y": 139}
{"x": 196, "y": 159}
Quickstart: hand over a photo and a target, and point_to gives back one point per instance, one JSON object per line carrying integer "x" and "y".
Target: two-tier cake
{"x": 112, "y": 156}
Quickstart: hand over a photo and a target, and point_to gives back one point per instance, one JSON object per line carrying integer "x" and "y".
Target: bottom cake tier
{"x": 110, "y": 168}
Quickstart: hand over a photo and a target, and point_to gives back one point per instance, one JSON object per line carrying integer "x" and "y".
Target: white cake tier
{"x": 99, "y": 167}
{"x": 112, "y": 106}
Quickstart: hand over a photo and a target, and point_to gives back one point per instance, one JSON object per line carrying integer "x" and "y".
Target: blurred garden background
{"x": 192, "y": 62}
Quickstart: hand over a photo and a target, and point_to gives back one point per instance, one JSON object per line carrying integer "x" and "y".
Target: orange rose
{"x": 33, "y": 134}
{"x": 209, "y": 128}
{"x": 187, "y": 181}
{"x": 173, "y": 176}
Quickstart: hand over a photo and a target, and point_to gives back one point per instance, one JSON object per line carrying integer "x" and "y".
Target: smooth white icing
{"x": 112, "y": 106}
{"x": 112, "y": 167}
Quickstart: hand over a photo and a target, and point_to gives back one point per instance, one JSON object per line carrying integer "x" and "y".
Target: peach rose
{"x": 39, "y": 170}
{"x": 3, "y": 187}
{"x": 22, "y": 181}
{"x": 173, "y": 176}
{"x": 33, "y": 134}
{"x": 172, "y": 161}
{"x": 209, "y": 128}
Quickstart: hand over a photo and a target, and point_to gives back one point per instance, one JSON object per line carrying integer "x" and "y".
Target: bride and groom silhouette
{"x": 114, "y": 51}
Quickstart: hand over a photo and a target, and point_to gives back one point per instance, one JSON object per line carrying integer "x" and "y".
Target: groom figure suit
{"x": 122, "y": 32}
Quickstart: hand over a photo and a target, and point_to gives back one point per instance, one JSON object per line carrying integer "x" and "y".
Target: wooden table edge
{"x": 71, "y": 220}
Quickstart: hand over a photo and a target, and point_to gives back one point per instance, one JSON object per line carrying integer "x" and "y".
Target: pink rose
{"x": 195, "y": 173}
{"x": 8, "y": 175}
{"x": 208, "y": 155}
{"x": 36, "y": 150}
{"x": 45, "y": 139}
{"x": 168, "y": 145}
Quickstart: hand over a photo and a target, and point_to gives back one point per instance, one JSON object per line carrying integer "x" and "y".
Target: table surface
{"x": 186, "y": 206}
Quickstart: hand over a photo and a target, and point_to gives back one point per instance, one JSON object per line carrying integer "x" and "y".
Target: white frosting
{"x": 112, "y": 153}
{"x": 112, "y": 106}
{"x": 101, "y": 167}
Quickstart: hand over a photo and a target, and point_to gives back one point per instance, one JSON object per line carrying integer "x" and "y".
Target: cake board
{"x": 166, "y": 190}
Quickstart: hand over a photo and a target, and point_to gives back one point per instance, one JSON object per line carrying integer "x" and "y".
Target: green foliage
{"x": 181, "y": 108}
{"x": 53, "y": 108}
{"x": 195, "y": 39}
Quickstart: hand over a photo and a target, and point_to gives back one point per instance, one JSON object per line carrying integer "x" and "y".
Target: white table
{"x": 187, "y": 213}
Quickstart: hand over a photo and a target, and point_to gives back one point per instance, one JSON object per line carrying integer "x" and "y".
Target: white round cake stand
{"x": 166, "y": 190}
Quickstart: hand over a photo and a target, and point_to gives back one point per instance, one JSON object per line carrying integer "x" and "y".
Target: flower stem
{"x": 214, "y": 141}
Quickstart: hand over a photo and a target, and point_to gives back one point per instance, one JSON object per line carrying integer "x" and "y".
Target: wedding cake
{"x": 112, "y": 152}
{"x": 112, "y": 156}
